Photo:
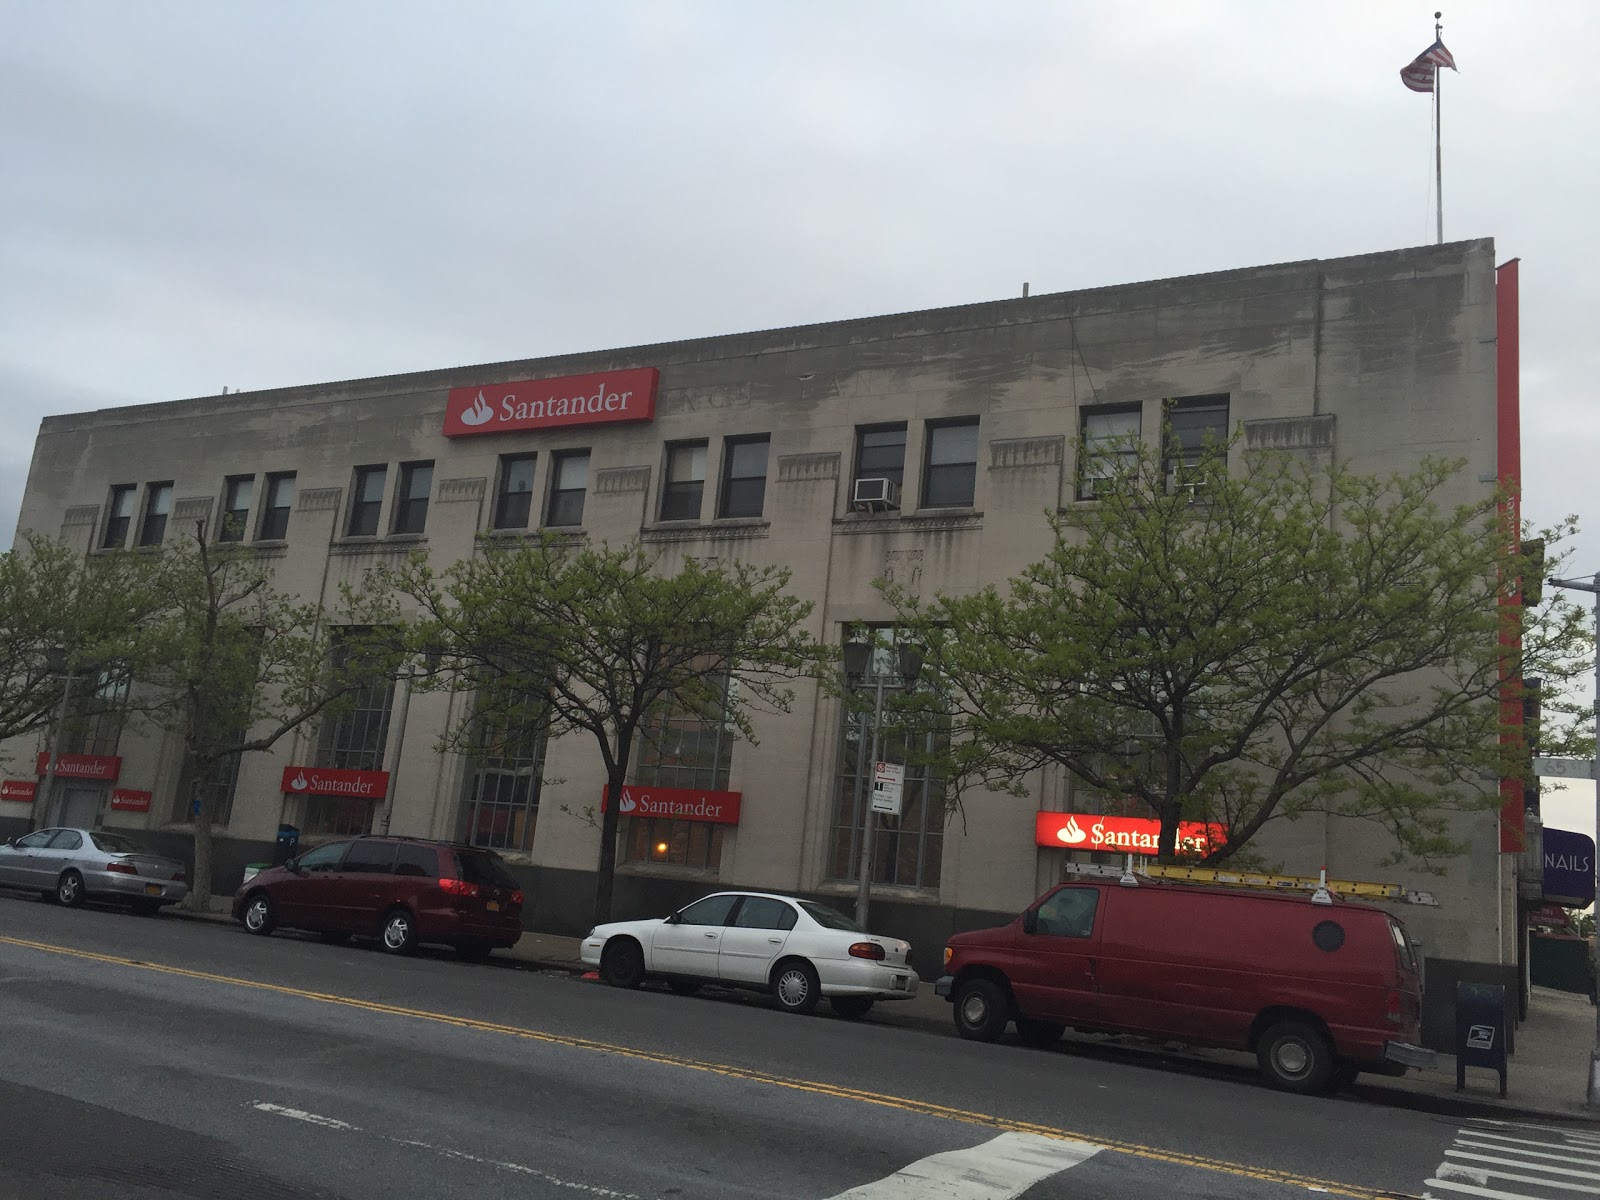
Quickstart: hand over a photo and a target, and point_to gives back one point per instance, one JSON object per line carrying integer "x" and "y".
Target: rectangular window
{"x": 336, "y": 816}
{"x": 356, "y": 738}
{"x": 98, "y": 711}
{"x": 1110, "y": 449}
{"x": 513, "y": 503}
{"x": 219, "y": 785}
{"x": 685, "y": 483}
{"x": 157, "y": 505}
{"x": 275, "y": 512}
{"x": 120, "y": 516}
{"x": 366, "y": 501}
{"x": 744, "y": 476}
{"x": 501, "y": 805}
{"x": 411, "y": 509}
{"x": 950, "y": 477}
{"x": 881, "y": 453}
{"x": 908, "y": 850}
{"x": 682, "y": 750}
{"x": 1196, "y": 426}
{"x": 236, "y": 493}
{"x": 569, "y": 483}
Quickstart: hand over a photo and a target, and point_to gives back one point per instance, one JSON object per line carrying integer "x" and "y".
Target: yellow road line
{"x": 904, "y": 1104}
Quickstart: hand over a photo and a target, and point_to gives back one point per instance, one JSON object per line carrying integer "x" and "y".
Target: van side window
{"x": 1069, "y": 913}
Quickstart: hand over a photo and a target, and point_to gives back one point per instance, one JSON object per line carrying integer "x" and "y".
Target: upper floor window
{"x": 513, "y": 503}
{"x": 120, "y": 516}
{"x": 744, "y": 476}
{"x": 236, "y": 494}
{"x": 951, "y": 475}
{"x": 881, "y": 453}
{"x": 366, "y": 501}
{"x": 568, "y": 487}
{"x": 157, "y": 506}
{"x": 275, "y": 511}
{"x": 1195, "y": 425}
{"x": 1110, "y": 449}
{"x": 411, "y": 512}
{"x": 685, "y": 482}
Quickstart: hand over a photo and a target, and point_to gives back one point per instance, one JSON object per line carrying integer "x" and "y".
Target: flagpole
{"x": 1438, "y": 141}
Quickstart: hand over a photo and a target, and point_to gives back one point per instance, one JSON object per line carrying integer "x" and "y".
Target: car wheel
{"x": 1039, "y": 1034}
{"x": 331, "y": 937}
{"x": 259, "y": 915}
{"x": 851, "y": 1008}
{"x": 684, "y": 987}
{"x": 69, "y": 889}
{"x": 399, "y": 932}
{"x": 982, "y": 1009}
{"x": 473, "y": 951}
{"x": 147, "y": 908}
{"x": 795, "y": 986}
{"x": 622, "y": 963}
{"x": 1294, "y": 1056}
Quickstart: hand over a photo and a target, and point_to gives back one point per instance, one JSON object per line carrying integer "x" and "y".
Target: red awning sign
{"x": 102, "y": 767}
{"x": 128, "y": 800}
{"x": 20, "y": 790}
{"x": 610, "y": 396}
{"x": 329, "y": 781}
{"x": 678, "y": 804}
{"x": 1120, "y": 835}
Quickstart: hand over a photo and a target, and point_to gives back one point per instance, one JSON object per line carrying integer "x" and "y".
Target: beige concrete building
{"x": 772, "y": 447}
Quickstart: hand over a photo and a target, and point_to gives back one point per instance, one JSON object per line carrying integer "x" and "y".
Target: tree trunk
{"x": 1167, "y": 843}
{"x": 606, "y": 872}
{"x": 200, "y": 883}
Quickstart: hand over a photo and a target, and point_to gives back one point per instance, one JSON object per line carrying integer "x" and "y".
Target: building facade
{"x": 925, "y": 447}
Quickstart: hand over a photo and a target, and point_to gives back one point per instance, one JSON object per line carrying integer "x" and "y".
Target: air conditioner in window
{"x": 875, "y": 495}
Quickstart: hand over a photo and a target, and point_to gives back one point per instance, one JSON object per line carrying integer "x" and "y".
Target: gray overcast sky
{"x": 198, "y": 195}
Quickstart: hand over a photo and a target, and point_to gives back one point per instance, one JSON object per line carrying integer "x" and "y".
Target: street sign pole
{"x": 1593, "y": 588}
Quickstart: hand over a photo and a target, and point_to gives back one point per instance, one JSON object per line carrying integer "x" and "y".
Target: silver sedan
{"x": 74, "y": 865}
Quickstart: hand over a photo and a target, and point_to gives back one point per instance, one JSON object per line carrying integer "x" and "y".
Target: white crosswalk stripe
{"x": 999, "y": 1169}
{"x": 1506, "y": 1160}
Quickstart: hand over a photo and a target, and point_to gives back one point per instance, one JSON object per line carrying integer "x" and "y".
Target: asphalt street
{"x": 155, "y": 1057}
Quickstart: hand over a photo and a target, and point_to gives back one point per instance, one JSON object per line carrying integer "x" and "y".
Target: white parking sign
{"x": 888, "y": 781}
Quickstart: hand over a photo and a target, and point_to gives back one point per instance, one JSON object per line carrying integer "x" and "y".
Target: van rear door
{"x": 1053, "y": 975}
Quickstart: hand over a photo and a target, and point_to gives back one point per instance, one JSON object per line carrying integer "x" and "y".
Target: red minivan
{"x": 403, "y": 891}
{"x": 1319, "y": 990}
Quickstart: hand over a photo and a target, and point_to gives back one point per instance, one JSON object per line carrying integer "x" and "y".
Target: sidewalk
{"x": 1547, "y": 1077}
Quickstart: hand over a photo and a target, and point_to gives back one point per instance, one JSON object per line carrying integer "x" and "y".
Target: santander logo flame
{"x": 627, "y": 804}
{"x": 480, "y": 413}
{"x": 1071, "y": 833}
{"x": 299, "y": 783}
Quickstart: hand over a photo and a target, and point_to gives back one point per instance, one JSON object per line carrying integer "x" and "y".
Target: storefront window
{"x": 501, "y": 805}
{"x": 682, "y": 750}
{"x": 354, "y": 740}
{"x": 908, "y": 850}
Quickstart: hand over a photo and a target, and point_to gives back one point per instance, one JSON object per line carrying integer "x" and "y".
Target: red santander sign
{"x": 128, "y": 800}
{"x": 680, "y": 804}
{"x": 327, "y": 781}
{"x": 552, "y": 403}
{"x": 20, "y": 790}
{"x": 1121, "y": 835}
{"x": 104, "y": 767}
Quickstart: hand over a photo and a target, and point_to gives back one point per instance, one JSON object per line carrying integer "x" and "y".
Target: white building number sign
{"x": 888, "y": 780}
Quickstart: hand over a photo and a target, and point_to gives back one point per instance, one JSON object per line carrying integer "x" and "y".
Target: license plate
{"x": 902, "y": 981}
{"x": 152, "y": 889}
{"x": 493, "y": 906}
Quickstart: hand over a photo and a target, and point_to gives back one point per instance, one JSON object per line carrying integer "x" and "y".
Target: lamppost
{"x": 857, "y": 663}
{"x": 56, "y": 660}
{"x": 1593, "y": 587}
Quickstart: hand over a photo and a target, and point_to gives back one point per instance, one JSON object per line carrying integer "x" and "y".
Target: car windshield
{"x": 115, "y": 843}
{"x": 485, "y": 867}
{"x": 830, "y": 918}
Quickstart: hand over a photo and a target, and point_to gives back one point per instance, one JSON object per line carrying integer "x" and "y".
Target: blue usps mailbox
{"x": 1480, "y": 1030}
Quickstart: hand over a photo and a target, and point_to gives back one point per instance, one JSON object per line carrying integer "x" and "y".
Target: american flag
{"x": 1419, "y": 72}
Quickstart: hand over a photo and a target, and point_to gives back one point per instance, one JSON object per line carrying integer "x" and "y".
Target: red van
{"x": 1320, "y": 990}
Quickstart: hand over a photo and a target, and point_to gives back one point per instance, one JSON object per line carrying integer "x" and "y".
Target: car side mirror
{"x": 12, "y": 842}
{"x": 674, "y": 919}
{"x": 1030, "y": 920}
{"x": 293, "y": 866}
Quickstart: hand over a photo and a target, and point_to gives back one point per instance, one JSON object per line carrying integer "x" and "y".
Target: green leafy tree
{"x": 62, "y": 615}
{"x": 555, "y": 638}
{"x": 230, "y": 666}
{"x": 1253, "y": 645}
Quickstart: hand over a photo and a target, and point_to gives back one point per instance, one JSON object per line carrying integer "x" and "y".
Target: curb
{"x": 1374, "y": 1092}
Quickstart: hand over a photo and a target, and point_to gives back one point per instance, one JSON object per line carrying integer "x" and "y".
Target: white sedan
{"x": 798, "y": 950}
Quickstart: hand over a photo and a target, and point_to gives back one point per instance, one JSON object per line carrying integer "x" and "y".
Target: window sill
{"x": 669, "y": 871}
{"x": 722, "y": 527}
{"x": 391, "y": 543}
{"x": 910, "y": 522}
{"x": 880, "y": 891}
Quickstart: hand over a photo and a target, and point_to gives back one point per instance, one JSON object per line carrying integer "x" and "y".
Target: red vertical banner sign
{"x": 1508, "y": 469}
